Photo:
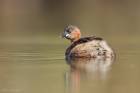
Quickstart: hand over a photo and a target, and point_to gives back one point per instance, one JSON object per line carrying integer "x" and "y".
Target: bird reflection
{"x": 86, "y": 68}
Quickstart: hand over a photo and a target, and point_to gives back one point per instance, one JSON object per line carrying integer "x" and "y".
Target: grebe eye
{"x": 69, "y": 31}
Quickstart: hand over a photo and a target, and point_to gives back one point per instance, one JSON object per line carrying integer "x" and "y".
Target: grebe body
{"x": 85, "y": 47}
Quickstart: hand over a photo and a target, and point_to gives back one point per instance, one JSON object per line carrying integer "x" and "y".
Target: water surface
{"x": 32, "y": 67}
{"x": 32, "y": 53}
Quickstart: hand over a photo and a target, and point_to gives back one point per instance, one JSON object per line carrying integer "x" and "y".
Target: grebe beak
{"x": 66, "y": 35}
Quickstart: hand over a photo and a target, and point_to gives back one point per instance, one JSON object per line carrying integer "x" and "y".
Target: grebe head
{"x": 71, "y": 33}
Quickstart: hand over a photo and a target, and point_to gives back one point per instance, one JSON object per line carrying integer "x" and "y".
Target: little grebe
{"x": 85, "y": 47}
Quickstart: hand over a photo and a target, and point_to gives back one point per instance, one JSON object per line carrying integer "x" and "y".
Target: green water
{"x": 32, "y": 53}
{"x": 33, "y": 67}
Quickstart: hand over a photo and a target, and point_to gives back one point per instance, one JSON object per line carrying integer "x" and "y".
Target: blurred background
{"x": 32, "y": 52}
{"x": 44, "y": 18}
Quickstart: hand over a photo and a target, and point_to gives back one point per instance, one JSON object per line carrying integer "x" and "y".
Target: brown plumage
{"x": 86, "y": 47}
